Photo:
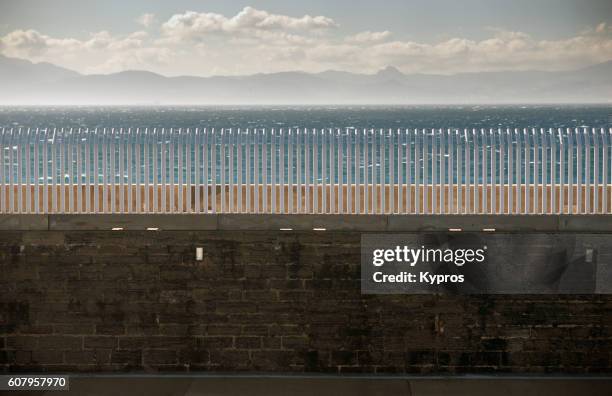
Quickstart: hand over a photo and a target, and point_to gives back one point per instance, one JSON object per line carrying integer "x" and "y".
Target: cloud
{"x": 192, "y": 24}
{"x": 254, "y": 41}
{"x": 98, "y": 53}
{"x": 30, "y": 43}
{"x": 369, "y": 37}
{"x": 146, "y": 20}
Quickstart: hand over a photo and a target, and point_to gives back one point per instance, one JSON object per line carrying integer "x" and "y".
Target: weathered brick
{"x": 103, "y": 301}
{"x": 250, "y": 342}
{"x": 159, "y": 356}
{"x": 215, "y": 342}
{"x": 60, "y": 342}
{"x": 96, "y": 356}
{"x": 130, "y": 358}
{"x": 94, "y": 342}
{"x": 294, "y": 342}
{"x": 47, "y": 357}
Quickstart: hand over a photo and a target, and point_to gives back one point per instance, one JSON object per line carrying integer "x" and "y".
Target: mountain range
{"x": 24, "y": 82}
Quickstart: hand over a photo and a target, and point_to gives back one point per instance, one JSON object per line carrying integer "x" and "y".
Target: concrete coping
{"x": 306, "y": 222}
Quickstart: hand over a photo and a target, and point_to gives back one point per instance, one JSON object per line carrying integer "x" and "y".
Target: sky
{"x": 204, "y": 38}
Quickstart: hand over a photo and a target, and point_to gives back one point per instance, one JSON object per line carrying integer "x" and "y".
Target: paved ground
{"x": 215, "y": 386}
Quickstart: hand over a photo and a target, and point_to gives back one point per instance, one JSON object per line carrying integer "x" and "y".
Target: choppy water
{"x": 310, "y": 117}
{"x": 283, "y": 117}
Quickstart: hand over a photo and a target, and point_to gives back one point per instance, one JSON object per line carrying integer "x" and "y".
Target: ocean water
{"x": 412, "y": 117}
{"x": 544, "y": 116}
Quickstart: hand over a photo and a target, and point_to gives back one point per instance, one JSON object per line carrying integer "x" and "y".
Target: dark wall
{"x": 265, "y": 302}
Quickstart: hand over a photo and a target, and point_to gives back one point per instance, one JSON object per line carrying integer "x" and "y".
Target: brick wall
{"x": 265, "y": 302}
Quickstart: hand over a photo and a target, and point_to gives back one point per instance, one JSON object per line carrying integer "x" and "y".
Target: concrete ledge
{"x": 9, "y": 222}
{"x": 262, "y": 222}
{"x": 132, "y": 222}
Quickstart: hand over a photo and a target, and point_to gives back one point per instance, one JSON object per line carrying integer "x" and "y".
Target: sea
{"x": 286, "y": 117}
{"x": 472, "y": 116}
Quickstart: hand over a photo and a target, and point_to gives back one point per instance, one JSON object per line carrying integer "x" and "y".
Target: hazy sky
{"x": 244, "y": 37}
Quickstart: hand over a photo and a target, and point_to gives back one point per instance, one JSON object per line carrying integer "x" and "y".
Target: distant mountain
{"x": 23, "y": 73}
{"x": 24, "y": 82}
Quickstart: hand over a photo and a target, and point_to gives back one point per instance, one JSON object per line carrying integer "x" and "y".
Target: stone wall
{"x": 273, "y": 301}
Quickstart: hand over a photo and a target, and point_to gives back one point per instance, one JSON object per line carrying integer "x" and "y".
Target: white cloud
{"x": 146, "y": 20}
{"x": 369, "y": 37}
{"x": 192, "y": 24}
{"x": 254, "y": 41}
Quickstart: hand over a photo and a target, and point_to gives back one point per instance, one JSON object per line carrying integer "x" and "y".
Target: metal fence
{"x": 348, "y": 171}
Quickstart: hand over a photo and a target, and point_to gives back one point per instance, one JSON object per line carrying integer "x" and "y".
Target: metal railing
{"x": 349, "y": 171}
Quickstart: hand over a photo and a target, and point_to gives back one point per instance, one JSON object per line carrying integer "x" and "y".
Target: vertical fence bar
{"x": 579, "y": 169}
{"x": 373, "y": 174}
{"x": 205, "y": 167}
{"x": 443, "y": 157}
{"x": 282, "y": 168}
{"x": 537, "y": 147}
{"x": 475, "y": 170}
{"x": 11, "y": 176}
{"x": 605, "y": 170}
{"x": 136, "y": 170}
{"x": 339, "y": 171}
{"x": 526, "y": 206}
{"x": 570, "y": 175}
{"x": 28, "y": 173}
{"x": 389, "y": 150}
{"x": 46, "y": 171}
{"x": 163, "y": 171}
{"x": 457, "y": 162}
{"x": 239, "y": 169}
{"x": 213, "y": 154}
{"x": 3, "y": 199}
{"x": 180, "y": 167}
{"x": 223, "y": 164}
{"x": 562, "y": 169}
{"x": 587, "y": 170}
{"x": 492, "y": 170}
{"x": 290, "y": 171}
{"x": 546, "y": 157}
{"x": 484, "y": 180}
{"x": 157, "y": 147}
{"x": 19, "y": 179}
{"x": 78, "y": 146}
{"x": 36, "y": 183}
{"x": 400, "y": 141}
{"x": 271, "y": 172}
{"x": 185, "y": 171}
{"x": 112, "y": 172}
{"x": 324, "y": 172}
{"x": 509, "y": 167}
{"x": 553, "y": 171}
{"x": 257, "y": 181}
{"x": 417, "y": 170}
{"x": 330, "y": 165}
{"x": 171, "y": 171}
{"x": 230, "y": 175}
{"x": 408, "y": 170}
{"x": 264, "y": 165}
{"x": 315, "y": 170}
{"x": 357, "y": 147}
{"x": 596, "y": 208}
{"x": 308, "y": 150}
{"x": 608, "y": 164}
{"x": 197, "y": 158}
{"x": 433, "y": 152}
{"x": 299, "y": 147}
